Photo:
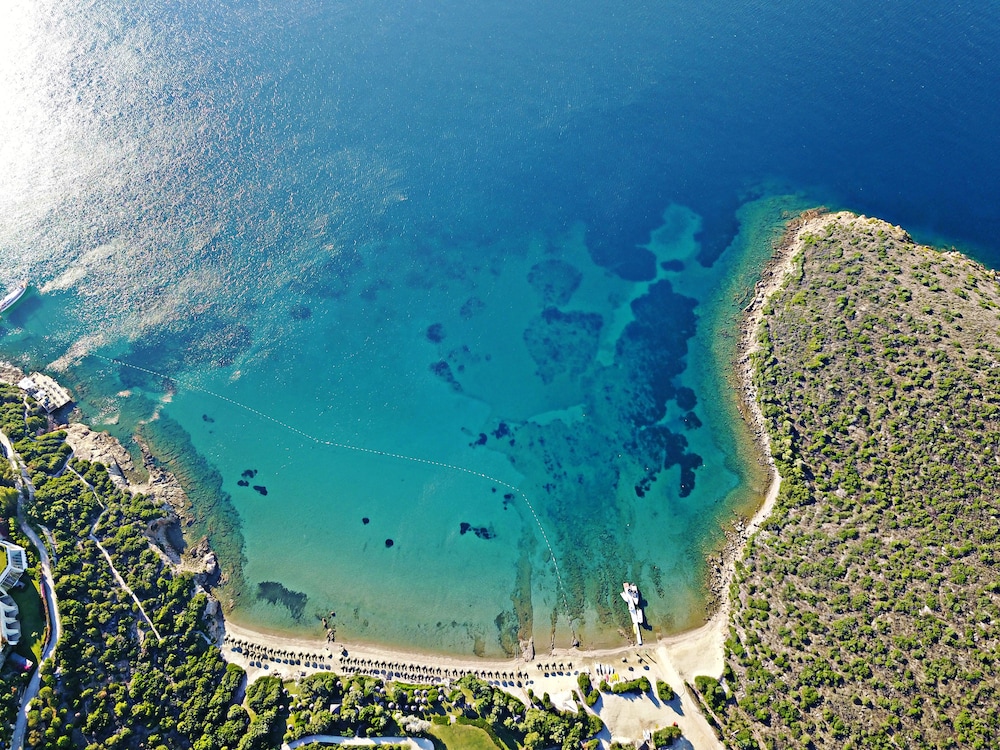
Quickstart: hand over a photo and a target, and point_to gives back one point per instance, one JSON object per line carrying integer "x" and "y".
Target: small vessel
{"x": 630, "y": 593}
{"x": 11, "y": 298}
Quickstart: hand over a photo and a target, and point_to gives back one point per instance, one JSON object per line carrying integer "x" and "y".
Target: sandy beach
{"x": 676, "y": 659}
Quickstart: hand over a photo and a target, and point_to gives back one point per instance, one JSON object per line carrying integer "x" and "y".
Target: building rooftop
{"x": 45, "y": 391}
{"x": 14, "y": 564}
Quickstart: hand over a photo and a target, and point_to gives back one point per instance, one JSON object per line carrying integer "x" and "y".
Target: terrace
{"x": 12, "y": 564}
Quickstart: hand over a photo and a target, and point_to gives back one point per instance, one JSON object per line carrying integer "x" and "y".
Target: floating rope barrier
{"x": 361, "y": 449}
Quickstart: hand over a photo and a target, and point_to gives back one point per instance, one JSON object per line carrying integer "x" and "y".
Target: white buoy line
{"x": 362, "y": 449}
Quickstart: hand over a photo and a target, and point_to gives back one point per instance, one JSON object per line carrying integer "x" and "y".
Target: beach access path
{"x": 417, "y": 743}
{"x": 114, "y": 571}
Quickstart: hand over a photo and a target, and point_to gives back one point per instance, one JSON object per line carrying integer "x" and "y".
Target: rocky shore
{"x": 152, "y": 480}
{"x": 772, "y": 278}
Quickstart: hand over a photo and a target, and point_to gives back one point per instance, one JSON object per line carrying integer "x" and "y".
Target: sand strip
{"x": 674, "y": 659}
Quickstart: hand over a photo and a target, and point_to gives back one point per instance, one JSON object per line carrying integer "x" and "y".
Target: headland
{"x": 865, "y": 603}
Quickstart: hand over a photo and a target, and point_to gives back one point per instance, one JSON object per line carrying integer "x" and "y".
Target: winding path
{"x": 114, "y": 571}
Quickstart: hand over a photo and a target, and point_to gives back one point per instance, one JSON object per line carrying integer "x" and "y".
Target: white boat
{"x": 13, "y": 296}
{"x": 630, "y": 593}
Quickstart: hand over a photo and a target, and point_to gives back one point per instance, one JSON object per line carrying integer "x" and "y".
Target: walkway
{"x": 418, "y": 743}
{"x": 118, "y": 577}
{"x": 114, "y": 571}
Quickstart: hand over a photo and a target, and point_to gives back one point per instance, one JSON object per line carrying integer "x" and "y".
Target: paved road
{"x": 48, "y": 589}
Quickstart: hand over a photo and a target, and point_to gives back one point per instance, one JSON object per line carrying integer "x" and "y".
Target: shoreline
{"x": 92, "y": 445}
{"x": 262, "y": 654}
{"x": 677, "y": 659}
{"x": 699, "y": 651}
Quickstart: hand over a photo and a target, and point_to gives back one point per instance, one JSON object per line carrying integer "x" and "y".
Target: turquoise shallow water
{"x": 456, "y": 463}
{"x": 454, "y": 267}
{"x": 535, "y": 463}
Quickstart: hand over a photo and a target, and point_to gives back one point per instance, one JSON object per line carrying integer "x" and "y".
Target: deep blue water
{"x": 277, "y": 202}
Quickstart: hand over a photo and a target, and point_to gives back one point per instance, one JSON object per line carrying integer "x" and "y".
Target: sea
{"x": 431, "y": 306}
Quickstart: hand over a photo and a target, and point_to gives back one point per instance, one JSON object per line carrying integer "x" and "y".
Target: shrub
{"x": 664, "y": 691}
{"x": 667, "y": 736}
{"x": 713, "y": 692}
{"x": 640, "y": 685}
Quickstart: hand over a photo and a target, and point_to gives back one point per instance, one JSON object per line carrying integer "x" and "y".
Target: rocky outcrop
{"x": 163, "y": 486}
{"x": 528, "y": 649}
{"x": 216, "y": 624}
{"x": 167, "y": 534}
{"x": 100, "y": 447}
{"x": 10, "y": 373}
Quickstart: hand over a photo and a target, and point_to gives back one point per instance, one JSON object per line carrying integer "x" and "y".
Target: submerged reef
{"x": 443, "y": 370}
{"x": 273, "y": 592}
{"x": 555, "y": 281}
{"x": 563, "y": 343}
{"x": 207, "y": 339}
{"x": 300, "y": 312}
{"x": 435, "y": 333}
{"x": 212, "y": 514}
{"x": 594, "y": 471}
{"x": 481, "y": 532}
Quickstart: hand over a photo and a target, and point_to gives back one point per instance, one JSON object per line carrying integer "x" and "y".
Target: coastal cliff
{"x": 865, "y": 611}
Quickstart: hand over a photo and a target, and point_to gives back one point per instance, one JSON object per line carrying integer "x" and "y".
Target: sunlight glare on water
{"x": 35, "y": 138}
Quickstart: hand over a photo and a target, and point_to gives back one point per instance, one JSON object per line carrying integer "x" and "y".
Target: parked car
{"x": 19, "y": 662}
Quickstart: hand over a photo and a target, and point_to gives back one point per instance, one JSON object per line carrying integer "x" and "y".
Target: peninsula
{"x": 865, "y": 612}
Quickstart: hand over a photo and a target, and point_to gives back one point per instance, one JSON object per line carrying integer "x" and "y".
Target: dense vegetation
{"x": 120, "y": 680}
{"x": 112, "y": 683}
{"x": 12, "y": 680}
{"x": 866, "y": 611}
{"x": 365, "y": 706}
{"x": 16, "y": 422}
